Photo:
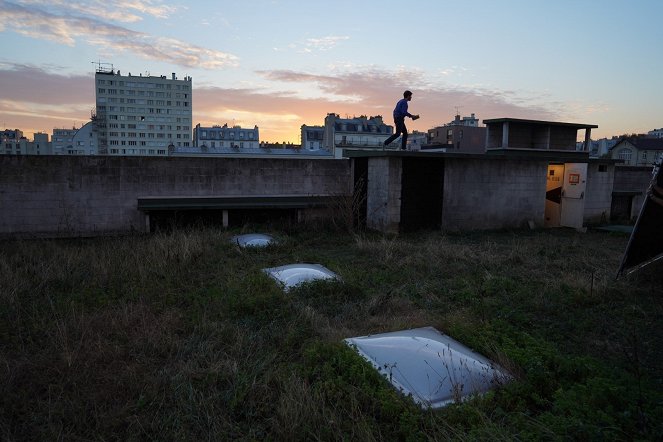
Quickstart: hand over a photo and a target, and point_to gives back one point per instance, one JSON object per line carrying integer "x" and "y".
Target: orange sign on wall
{"x": 574, "y": 178}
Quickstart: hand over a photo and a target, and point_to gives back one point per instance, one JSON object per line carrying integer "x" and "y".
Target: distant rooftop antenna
{"x": 458, "y": 110}
{"x": 103, "y": 67}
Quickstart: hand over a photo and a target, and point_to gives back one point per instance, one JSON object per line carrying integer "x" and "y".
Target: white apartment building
{"x": 656, "y": 133}
{"x": 226, "y": 137}
{"x": 141, "y": 115}
{"x": 23, "y": 146}
{"x": 358, "y": 132}
{"x": 11, "y": 135}
{"x": 416, "y": 140}
{"x": 312, "y": 137}
{"x": 471, "y": 121}
{"x": 82, "y": 141}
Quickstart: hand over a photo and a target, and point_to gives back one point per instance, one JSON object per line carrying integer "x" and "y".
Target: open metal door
{"x": 646, "y": 243}
{"x": 573, "y": 195}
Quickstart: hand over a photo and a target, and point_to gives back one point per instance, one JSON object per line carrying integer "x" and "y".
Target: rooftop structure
{"x": 518, "y": 134}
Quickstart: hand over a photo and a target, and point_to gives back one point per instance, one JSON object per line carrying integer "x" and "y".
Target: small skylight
{"x": 253, "y": 240}
{"x": 293, "y": 274}
{"x": 430, "y": 366}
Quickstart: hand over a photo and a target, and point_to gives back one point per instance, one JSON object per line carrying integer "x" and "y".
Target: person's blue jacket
{"x": 400, "y": 111}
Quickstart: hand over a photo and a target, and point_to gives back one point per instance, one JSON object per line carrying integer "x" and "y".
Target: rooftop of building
{"x": 645, "y": 143}
{"x": 249, "y": 152}
{"x": 540, "y": 122}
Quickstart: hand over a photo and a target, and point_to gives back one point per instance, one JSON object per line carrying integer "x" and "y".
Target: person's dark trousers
{"x": 400, "y": 129}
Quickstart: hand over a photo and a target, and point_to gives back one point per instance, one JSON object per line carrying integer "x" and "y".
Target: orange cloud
{"x": 42, "y": 99}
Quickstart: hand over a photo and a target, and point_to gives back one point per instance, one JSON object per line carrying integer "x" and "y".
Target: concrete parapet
{"x": 61, "y": 195}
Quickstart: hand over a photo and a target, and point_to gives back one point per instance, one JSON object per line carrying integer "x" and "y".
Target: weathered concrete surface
{"x": 60, "y": 195}
{"x": 633, "y": 179}
{"x": 598, "y": 194}
{"x": 383, "y": 205}
{"x": 493, "y": 194}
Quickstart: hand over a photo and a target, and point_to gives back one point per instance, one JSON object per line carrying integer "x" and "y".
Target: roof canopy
{"x": 548, "y": 123}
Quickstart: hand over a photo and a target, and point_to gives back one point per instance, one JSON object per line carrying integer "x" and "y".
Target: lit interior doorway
{"x": 565, "y": 195}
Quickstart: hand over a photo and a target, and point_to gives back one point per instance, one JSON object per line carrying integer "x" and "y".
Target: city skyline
{"x": 281, "y": 64}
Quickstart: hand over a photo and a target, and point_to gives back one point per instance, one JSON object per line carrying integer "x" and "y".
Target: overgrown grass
{"x": 180, "y": 336}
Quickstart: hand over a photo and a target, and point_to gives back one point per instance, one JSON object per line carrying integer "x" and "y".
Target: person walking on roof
{"x": 400, "y": 112}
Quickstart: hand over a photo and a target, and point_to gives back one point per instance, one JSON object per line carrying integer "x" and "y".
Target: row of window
{"x": 140, "y": 110}
{"x": 626, "y": 154}
{"x": 148, "y": 117}
{"x": 230, "y": 144}
{"x": 221, "y": 135}
{"x": 143, "y": 143}
{"x": 149, "y": 135}
{"x": 101, "y": 106}
{"x": 102, "y": 91}
{"x": 146, "y": 126}
{"x": 137, "y": 151}
{"x": 141, "y": 84}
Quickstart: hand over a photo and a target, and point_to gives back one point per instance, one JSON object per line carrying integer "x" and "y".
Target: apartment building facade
{"x": 312, "y": 137}
{"x": 11, "y": 135}
{"x": 141, "y": 115}
{"x": 226, "y": 137}
{"x": 461, "y": 135}
{"x": 638, "y": 151}
{"x": 81, "y": 141}
{"x": 357, "y": 132}
{"x": 656, "y": 133}
{"x": 22, "y": 146}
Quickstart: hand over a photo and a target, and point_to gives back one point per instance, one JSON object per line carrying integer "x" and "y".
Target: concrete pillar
{"x": 588, "y": 138}
{"x": 383, "y": 194}
{"x": 505, "y": 135}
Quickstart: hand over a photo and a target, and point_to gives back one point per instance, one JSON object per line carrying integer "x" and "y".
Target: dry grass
{"x": 181, "y": 336}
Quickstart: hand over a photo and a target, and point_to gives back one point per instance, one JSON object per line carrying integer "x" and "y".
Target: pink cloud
{"x": 48, "y": 99}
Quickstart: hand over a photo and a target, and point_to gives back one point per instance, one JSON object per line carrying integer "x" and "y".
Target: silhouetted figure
{"x": 400, "y": 112}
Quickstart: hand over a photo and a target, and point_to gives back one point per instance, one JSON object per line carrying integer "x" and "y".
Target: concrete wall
{"x": 61, "y": 195}
{"x": 383, "y": 205}
{"x": 598, "y": 194}
{"x": 493, "y": 193}
{"x": 634, "y": 179}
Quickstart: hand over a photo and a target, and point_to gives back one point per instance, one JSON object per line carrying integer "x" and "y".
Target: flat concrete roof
{"x": 548, "y": 123}
{"x": 492, "y": 154}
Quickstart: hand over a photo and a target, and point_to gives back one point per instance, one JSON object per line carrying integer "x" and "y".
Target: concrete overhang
{"x": 562, "y": 156}
{"x": 540, "y": 122}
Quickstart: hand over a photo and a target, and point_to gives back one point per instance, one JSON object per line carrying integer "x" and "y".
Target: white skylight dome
{"x": 253, "y": 240}
{"x": 294, "y": 274}
{"x": 432, "y": 367}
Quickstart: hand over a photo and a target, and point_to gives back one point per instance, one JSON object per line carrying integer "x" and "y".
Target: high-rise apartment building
{"x": 141, "y": 115}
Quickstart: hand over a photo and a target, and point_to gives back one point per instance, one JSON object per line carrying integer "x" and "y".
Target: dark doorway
{"x": 620, "y": 210}
{"x": 422, "y": 191}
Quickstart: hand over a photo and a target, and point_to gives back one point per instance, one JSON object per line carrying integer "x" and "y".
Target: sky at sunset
{"x": 279, "y": 64}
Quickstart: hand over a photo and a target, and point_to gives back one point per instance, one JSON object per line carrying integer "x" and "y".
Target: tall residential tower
{"x": 141, "y": 115}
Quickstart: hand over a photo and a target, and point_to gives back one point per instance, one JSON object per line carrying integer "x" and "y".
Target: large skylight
{"x": 294, "y": 274}
{"x": 430, "y": 366}
{"x": 253, "y": 240}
